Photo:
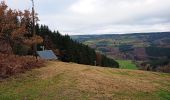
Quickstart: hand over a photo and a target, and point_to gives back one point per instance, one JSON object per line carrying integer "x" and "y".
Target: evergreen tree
{"x": 71, "y": 50}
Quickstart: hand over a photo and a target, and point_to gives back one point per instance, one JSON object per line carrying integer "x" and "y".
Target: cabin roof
{"x": 47, "y": 54}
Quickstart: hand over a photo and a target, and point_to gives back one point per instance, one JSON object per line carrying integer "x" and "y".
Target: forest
{"x": 19, "y": 40}
{"x": 72, "y": 51}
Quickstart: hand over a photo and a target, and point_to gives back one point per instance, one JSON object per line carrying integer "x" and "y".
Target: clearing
{"x": 63, "y": 81}
{"x": 126, "y": 64}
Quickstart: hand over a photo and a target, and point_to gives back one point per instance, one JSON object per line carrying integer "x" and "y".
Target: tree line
{"x": 16, "y": 38}
{"x": 72, "y": 50}
{"x": 16, "y": 30}
{"x": 16, "y": 42}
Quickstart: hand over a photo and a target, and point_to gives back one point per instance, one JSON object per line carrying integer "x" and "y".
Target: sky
{"x": 77, "y": 17}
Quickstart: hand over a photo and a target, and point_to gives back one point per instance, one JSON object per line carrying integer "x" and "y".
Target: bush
{"x": 12, "y": 64}
{"x": 20, "y": 49}
{"x": 165, "y": 69}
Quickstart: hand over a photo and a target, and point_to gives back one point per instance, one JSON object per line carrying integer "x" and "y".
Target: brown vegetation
{"x": 15, "y": 38}
{"x": 16, "y": 28}
{"x": 165, "y": 69}
{"x": 12, "y": 64}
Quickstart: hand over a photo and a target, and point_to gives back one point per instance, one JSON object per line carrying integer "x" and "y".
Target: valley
{"x": 150, "y": 48}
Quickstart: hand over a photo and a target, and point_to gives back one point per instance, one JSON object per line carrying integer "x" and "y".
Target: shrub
{"x": 165, "y": 69}
{"x": 12, "y": 64}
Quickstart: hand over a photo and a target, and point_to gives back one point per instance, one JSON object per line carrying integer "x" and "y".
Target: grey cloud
{"x": 104, "y": 16}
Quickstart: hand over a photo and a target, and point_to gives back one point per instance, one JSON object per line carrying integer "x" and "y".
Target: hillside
{"x": 59, "y": 80}
{"x": 153, "y": 49}
{"x": 69, "y": 50}
{"x": 21, "y": 37}
{"x": 138, "y": 46}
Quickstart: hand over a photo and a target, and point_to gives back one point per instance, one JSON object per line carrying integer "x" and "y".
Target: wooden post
{"x": 34, "y": 33}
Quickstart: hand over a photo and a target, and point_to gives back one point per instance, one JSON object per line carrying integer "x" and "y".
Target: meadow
{"x": 63, "y": 81}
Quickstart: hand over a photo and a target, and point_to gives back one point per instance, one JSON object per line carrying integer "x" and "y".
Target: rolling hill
{"x": 138, "y": 46}
{"x": 150, "y": 51}
{"x": 62, "y": 81}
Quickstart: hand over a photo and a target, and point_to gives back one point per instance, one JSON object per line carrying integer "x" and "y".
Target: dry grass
{"x": 106, "y": 82}
{"x": 71, "y": 81}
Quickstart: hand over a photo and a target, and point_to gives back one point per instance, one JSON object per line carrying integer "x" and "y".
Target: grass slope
{"x": 62, "y": 81}
{"x": 127, "y": 64}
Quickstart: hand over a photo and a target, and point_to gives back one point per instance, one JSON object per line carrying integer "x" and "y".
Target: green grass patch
{"x": 28, "y": 87}
{"x": 164, "y": 94}
{"x": 126, "y": 64}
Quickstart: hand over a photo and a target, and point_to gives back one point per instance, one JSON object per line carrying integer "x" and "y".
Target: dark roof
{"x": 47, "y": 54}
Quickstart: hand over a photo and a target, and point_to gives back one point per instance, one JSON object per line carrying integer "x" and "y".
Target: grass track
{"x": 63, "y": 81}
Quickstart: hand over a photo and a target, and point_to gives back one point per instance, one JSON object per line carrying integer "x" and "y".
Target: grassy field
{"x": 126, "y": 64}
{"x": 68, "y": 81}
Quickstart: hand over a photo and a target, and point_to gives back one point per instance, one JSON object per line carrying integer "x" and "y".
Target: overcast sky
{"x": 100, "y": 16}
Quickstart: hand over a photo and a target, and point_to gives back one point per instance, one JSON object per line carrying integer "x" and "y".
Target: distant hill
{"x": 136, "y": 46}
{"x": 126, "y": 43}
{"x": 63, "y": 81}
{"x": 148, "y": 36}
